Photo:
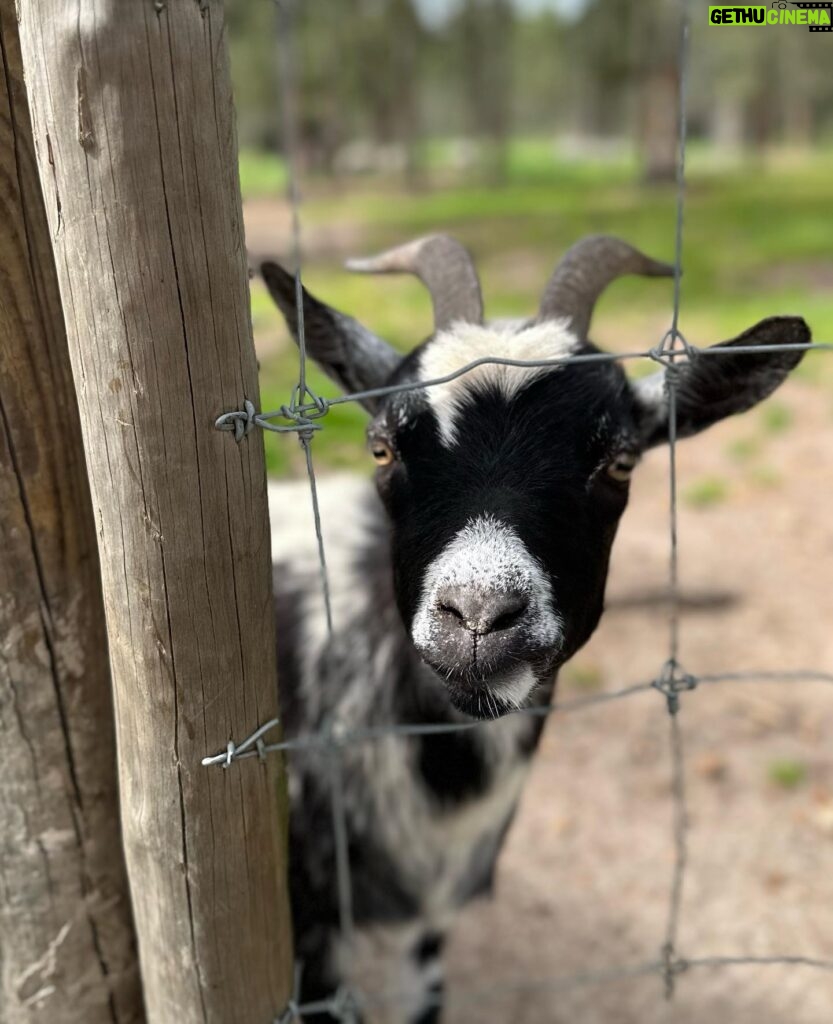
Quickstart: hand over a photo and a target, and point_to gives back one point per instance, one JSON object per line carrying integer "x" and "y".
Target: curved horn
{"x": 444, "y": 266}
{"x": 586, "y": 269}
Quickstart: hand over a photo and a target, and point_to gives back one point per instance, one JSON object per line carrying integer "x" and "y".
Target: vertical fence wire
{"x": 286, "y": 13}
{"x": 678, "y": 790}
{"x": 674, "y": 337}
{"x": 344, "y": 887}
{"x": 287, "y": 59}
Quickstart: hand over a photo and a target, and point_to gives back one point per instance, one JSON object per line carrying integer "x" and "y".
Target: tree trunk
{"x": 67, "y": 951}
{"x": 486, "y": 30}
{"x": 658, "y": 124}
{"x": 656, "y": 38}
{"x": 134, "y": 127}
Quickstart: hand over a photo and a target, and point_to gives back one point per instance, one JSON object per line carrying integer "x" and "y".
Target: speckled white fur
{"x": 342, "y": 502}
{"x": 488, "y": 554}
{"x": 652, "y": 395}
{"x": 514, "y": 687}
{"x": 464, "y": 343}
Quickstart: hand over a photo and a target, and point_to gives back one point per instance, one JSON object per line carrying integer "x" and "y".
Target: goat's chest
{"x": 442, "y": 848}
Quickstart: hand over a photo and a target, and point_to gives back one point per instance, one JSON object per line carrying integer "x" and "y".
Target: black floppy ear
{"x": 716, "y": 383}
{"x": 350, "y": 354}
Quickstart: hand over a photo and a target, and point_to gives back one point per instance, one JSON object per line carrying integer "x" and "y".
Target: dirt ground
{"x": 584, "y": 881}
{"x": 269, "y": 228}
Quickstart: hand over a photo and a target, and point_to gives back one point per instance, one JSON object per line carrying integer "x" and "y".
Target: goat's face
{"x": 504, "y": 490}
{"x": 505, "y": 486}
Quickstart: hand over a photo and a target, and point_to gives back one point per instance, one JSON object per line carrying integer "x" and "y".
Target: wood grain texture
{"x": 134, "y": 130}
{"x": 67, "y": 951}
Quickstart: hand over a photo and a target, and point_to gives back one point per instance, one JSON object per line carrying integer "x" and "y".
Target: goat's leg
{"x": 320, "y": 977}
{"x": 427, "y": 960}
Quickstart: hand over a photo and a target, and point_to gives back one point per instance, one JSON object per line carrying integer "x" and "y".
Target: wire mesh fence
{"x": 303, "y": 414}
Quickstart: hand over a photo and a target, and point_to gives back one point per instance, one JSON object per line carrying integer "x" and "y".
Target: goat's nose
{"x": 481, "y": 611}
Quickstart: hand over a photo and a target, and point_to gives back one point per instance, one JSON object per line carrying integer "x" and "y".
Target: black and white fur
{"x": 507, "y": 481}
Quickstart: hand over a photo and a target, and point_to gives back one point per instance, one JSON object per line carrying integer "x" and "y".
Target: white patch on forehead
{"x": 487, "y": 554}
{"x": 464, "y": 343}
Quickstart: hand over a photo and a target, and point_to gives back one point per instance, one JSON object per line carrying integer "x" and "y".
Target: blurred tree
{"x": 542, "y": 94}
{"x": 326, "y": 60}
{"x": 386, "y": 40}
{"x": 656, "y": 28}
{"x": 629, "y": 55}
{"x": 251, "y": 28}
{"x": 602, "y": 62}
{"x": 484, "y": 31}
{"x": 382, "y": 78}
{"x": 757, "y": 89}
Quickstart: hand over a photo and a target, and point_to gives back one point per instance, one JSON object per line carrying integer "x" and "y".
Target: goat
{"x": 460, "y": 584}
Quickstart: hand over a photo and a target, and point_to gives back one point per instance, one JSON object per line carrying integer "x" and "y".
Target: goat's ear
{"x": 711, "y": 387}
{"x": 350, "y": 354}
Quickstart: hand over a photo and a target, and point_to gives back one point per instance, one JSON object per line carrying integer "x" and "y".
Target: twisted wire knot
{"x": 302, "y": 409}
{"x": 240, "y": 421}
{"x": 672, "y": 682}
{"x": 666, "y": 354}
{"x": 672, "y": 965}
{"x": 305, "y": 402}
{"x": 233, "y": 752}
{"x": 291, "y": 1013}
{"x": 344, "y": 1006}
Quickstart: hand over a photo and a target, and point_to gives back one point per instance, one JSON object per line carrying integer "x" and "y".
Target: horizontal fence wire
{"x": 303, "y": 414}
{"x": 350, "y": 737}
{"x": 335, "y": 1006}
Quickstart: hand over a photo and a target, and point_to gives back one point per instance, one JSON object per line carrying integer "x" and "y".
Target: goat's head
{"x": 505, "y": 485}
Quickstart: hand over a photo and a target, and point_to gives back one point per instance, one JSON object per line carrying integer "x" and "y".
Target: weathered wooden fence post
{"x": 67, "y": 951}
{"x": 134, "y": 129}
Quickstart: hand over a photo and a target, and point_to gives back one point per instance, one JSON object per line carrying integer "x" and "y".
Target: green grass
{"x": 755, "y": 244}
{"x": 584, "y": 675}
{"x": 261, "y": 174}
{"x": 776, "y": 417}
{"x": 744, "y": 449}
{"x": 707, "y": 492}
{"x": 816, "y": 368}
{"x": 767, "y": 478}
{"x": 787, "y": 774}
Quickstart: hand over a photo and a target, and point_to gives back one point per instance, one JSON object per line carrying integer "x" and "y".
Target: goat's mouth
{"x": 490, "y": 696}
{"x": 483, "y": 704}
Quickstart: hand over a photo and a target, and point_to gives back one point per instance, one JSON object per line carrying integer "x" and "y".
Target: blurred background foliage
{"x": 520, "y": 125}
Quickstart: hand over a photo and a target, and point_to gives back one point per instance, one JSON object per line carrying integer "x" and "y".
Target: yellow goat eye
{"x": 382, "y": 453}
{"x": 622, "y": 467}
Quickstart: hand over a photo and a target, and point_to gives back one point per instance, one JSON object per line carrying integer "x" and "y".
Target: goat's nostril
{"x": 449, "y": 609}
{"x": 481, "y": 612}
{"x": 509, "y": 616}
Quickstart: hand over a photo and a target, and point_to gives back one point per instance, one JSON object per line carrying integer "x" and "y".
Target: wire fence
{"x": 302, "y": 416}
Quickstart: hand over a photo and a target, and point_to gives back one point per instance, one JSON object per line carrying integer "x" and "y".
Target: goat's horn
{"x": 446, "y": 269}
{"x": 585, "y": 271}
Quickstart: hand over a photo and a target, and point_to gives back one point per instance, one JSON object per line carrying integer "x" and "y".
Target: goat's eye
{"x": 622, "y": 466}
{"x": 382, "y": 452}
